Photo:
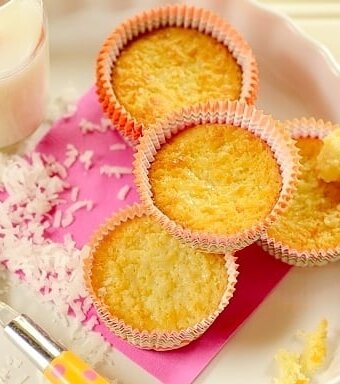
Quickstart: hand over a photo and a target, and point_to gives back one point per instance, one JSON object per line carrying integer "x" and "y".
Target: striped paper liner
{"x": 221, "y": 112}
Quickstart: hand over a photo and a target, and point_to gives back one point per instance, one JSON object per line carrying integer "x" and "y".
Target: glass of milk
{"x": 24, "y": 63}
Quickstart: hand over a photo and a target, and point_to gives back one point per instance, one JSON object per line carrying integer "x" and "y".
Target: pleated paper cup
{"x": 168, "y": 16}
{"x": 302, "y": 128}
{"x": 233, "y": 113}
{"x": 160, "y": 340}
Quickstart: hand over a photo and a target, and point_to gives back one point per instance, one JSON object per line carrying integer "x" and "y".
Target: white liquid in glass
{"x": 23, "y": 69}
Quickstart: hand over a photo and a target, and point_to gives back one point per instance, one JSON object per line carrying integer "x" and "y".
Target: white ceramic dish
{"x": 298, "y": 78}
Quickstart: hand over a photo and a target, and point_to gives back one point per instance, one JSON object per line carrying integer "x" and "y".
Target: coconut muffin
{"x": 170, "y": 68}
{"x": 217, "y": 179}
{"x": 146, "y": 282}
{"x": 312, "y": 219}
{"x": 216, "y": 175}
{"x": 169, "y": 58}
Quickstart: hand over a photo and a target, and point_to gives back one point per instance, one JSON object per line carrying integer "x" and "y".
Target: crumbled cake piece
{"x": 299, "y": 368}
{"x": 315, "y": 349}
{"x": 328, "y": 160}
{"x": 290, "y": 368}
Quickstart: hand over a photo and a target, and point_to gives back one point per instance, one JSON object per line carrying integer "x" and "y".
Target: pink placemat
{"x": 259, "y": 272}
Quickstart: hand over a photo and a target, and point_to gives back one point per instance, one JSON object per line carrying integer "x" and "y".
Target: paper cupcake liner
{"x": 299, "y": 128}
{"x": 220, "y": 112}
{"x": 157, "y": 340}
{"x": 170, "y": 15}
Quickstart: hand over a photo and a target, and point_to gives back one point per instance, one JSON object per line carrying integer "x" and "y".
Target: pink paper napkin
{"x": 259, "y": 272}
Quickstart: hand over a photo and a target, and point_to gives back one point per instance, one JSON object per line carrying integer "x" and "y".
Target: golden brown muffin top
{"x": 216, "y": 179}
{"x": 171, "y": 68}
{"x": 152, "y": 281}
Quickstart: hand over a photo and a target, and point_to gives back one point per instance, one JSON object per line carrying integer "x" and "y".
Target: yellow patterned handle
{"x": 68, "y": 368}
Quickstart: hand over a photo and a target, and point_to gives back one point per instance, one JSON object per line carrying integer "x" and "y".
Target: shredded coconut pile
{"x": 33, "y": 188}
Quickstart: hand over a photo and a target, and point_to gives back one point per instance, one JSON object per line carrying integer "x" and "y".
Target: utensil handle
{"x": 68, "y": 368}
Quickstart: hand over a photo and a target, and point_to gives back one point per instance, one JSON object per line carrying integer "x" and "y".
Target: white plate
{"x": 298, "y": 78}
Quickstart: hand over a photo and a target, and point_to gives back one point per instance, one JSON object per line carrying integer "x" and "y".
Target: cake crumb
{"x": 328, "y": 160}
{"x": 290, "y": 368}
{"x": 299, "y": 368}
{"x": 315, "y": 349}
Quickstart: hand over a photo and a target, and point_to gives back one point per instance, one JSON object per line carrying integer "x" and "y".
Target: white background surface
{"x": 77, "y": 29}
